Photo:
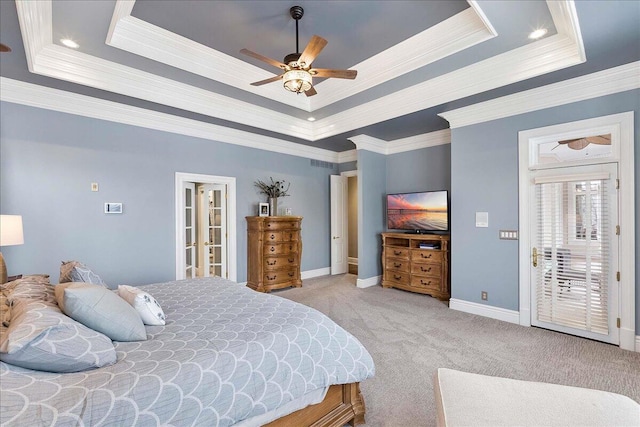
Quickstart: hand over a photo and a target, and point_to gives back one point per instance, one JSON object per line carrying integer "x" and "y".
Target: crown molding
{"x": 457, "y": 33}
{"x": 29, "y": 94}
{"x": 45, "y": 58}
{"x": 607, "y": 82}
{"x": 369, "y": 143}
{"x": 348, "y": 156}
{"x": 150, "y": 41}
{"x": 519, "y": 64}
{"x": 417, "y": 142}
{"x": 453, "y": 35}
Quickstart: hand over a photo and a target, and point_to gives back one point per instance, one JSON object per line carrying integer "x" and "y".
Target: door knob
{"x": 534, "y": 257}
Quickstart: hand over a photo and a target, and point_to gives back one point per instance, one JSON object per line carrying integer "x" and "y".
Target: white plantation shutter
{"x": 574, "y": 244}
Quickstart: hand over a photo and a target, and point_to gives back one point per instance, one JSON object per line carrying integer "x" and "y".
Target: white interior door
{"x": 574, "y": 258}
{"x": 189, "y": 243}
{"x": 213, "y": 230}
{"x": 339, "y": 241}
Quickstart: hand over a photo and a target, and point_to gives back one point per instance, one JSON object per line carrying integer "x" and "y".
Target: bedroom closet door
{"x": 574, "y": 260}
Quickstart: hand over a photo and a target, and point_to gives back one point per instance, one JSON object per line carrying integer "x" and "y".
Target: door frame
{"x": 621, "y": 128}
{"x": 339, "y": 203}
{"x": 345, "y": 209}
{"x": 180, "y": 179}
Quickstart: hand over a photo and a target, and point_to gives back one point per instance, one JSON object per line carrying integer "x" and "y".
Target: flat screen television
{"x": 423, "y": 212}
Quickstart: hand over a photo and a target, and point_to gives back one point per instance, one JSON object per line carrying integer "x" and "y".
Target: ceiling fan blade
{"x": 311, "y": 92}
{"x": 600, "y": 139}
{"x": 4, "y": 48}
{"x": 340, "y": 74}
{"x": 269, "y": 61}
{"x": 313, "y": 49}
{"x": 578, "y": 144}
{"x": 265, "y": 81}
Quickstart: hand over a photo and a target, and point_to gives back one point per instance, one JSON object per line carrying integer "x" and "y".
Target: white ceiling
{"x": 415, "y": 59}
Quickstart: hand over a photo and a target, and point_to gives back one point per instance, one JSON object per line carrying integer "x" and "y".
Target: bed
{"x": 227, "y": 356}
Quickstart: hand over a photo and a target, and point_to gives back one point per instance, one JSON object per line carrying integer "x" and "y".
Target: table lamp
{"x": 10, "y": 234}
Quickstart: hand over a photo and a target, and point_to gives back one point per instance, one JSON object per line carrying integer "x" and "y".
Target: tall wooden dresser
{"x": 417, "y": 263}
{"x": 274, "y": 249}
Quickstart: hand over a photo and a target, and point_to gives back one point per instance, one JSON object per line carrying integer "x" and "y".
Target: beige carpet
{"x": 411, "y": 335}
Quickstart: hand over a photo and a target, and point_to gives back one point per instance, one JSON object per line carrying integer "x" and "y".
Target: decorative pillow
{"x": 30, "y": 287}
{"x": 40, "y": 337}
{"x": 74, "y": 271}
{"x": 147, "y": 307}
{"x": 102, "y": 310}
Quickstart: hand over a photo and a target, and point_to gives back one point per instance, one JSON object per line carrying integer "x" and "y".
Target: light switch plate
{"x": 94, "y": 186}
{"x": 508, "y": 235}
{"x": 482, "y": 219}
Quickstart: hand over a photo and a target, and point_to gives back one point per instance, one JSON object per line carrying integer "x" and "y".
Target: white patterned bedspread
{"x": 227, "y": 353}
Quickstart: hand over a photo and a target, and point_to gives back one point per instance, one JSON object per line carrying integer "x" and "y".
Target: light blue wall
{"x": 48, "y": 161}
{"x": 372, "y": 179}
{"x": 484, "y": 177}
{"x": 427, "y": 169}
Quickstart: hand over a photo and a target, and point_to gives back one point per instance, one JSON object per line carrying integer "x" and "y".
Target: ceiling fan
{"x": 297, "y": 72}
{"x": 4, "y": 48}
{"x": 580, "y": 143}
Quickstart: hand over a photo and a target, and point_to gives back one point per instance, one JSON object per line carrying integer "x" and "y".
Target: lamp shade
{"x": 11, "y": 230}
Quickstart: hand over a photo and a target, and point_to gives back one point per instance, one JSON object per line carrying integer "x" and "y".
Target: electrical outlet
{"x": 484, "y": 295}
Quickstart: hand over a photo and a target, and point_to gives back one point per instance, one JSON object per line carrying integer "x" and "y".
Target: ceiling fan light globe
{"x": 297, "y": 81}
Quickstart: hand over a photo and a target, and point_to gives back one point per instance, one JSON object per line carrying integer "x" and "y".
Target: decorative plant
{"x": 275, "y": 189}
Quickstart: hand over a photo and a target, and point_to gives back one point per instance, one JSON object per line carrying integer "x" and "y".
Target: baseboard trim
{"x": 638, "y": 343}
{"x": 498, "y": 313}
{"x": 367, "y": 283}
{"x": 310, "y": 274}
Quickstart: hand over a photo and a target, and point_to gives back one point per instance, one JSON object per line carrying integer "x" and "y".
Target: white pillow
{"x": 147, "y": 307}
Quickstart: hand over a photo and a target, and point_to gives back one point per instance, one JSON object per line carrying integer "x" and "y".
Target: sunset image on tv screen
{"x": 418, "y": 211}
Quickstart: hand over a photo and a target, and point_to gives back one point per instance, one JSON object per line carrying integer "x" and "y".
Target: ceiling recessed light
{"x": 69, "y": 43}
{"x": 537, "y": 33}
{"x": 311, "y": 119}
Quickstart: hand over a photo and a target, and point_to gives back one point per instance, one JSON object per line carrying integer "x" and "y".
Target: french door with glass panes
{"x": 575, "y": 251}
{"x": 189, "y": 229}
{"x": 212, "y": 226}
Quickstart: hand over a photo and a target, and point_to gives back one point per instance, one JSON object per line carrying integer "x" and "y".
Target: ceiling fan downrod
{"x": 296, "y": 13}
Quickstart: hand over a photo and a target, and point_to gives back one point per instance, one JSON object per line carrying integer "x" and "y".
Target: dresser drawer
{"x": 426, "y": 269}
{"x": 391, "y": 252}
{"x": 426, "y": 255}
{"x": 275, "y": 277}
{"x": 397, "y": 276}
{"x": 424, "y": 282}
{"x": 280, "y": 262}
{"x": 282, "y": 225}
{"x": 397, "y": 264}
{"x": 280, "y": 248}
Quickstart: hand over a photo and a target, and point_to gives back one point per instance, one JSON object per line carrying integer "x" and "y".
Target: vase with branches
{"x": 273, "y": 191}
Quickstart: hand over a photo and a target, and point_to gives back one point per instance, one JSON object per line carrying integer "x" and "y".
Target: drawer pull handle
{"x": 397, "y": 277}
{"x": 272, "y": 263}
{"x": 397, "y": 264}
{"x": 272, "y": 249}
{"x": 290, "y": 236}
{"x": 273, "y": 236}
{"x": 397, "y": 252}
{"x": 422, "y": 282}
{"x": 290, "y": 247}
{"x": 425, "y": 269}
{"x": 272, "y": 277}
{"x": 269, "y": 225}
{"x": 291, "y": 260}
{"x": 428, "y": 256}
{"x": 291, "y": 274}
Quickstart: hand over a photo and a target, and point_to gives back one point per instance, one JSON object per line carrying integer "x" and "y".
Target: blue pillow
{"x": 101, "y": 310}
{"x": 42, "y": 338}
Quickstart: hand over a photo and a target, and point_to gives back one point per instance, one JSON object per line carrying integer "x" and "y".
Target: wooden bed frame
{"x": 342, "y": 405}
